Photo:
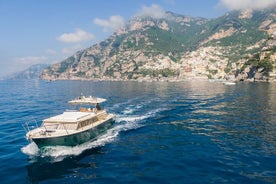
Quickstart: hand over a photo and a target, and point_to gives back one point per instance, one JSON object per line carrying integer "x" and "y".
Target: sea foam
{"x": 126, "y": 120}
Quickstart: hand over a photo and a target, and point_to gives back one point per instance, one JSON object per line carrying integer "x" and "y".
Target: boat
{"x": 73, "y": 127}
{"x": 229, "y": 83}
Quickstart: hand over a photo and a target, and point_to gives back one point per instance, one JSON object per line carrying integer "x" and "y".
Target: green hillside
{"x": 178, "y": 47}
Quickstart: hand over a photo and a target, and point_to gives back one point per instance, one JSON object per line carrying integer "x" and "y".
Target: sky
{"x": 49, "y": 31}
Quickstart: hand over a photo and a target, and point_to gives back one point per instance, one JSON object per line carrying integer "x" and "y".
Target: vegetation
{"x": 255, "y": 62}
{"x": 65, "y": 64}
{"x": 81, "y": 74}
{"x": 159, "y": 73}
{"x": 173, "y": 38}
{"x": 213, "y": 72}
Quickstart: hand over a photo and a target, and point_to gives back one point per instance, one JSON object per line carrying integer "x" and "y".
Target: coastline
{"x": 160, "y": 80}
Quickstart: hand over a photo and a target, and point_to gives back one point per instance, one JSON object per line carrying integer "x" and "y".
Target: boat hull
{"x": 76, "y": 138}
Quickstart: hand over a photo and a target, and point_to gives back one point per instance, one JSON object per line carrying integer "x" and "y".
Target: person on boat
{"x": 98, "y": 107}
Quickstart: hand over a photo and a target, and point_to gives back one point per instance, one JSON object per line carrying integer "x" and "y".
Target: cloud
{"x": 30, "y": 60}
{"x": 78, "y": 36}
{"x": 153, "y": 11}
{"x": 114, "y": 22}
{"x": 247, "y": 4}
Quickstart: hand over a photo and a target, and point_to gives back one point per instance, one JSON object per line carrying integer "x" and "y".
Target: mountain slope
{"x": 33, "y": 72}
{"x": 179, "y": 47}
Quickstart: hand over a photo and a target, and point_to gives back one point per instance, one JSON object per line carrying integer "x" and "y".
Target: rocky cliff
{"x": 239, "y": 45}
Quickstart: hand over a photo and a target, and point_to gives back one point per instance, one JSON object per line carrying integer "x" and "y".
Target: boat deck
{"x": 70, "y": 117}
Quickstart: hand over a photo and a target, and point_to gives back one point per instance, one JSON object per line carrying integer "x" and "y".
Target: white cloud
{"x": 78, "y": 36}
{"x": 114, "y": 22}
{"x": 247, "y": 4}
{"x": 30, "y": 60}
{"x": 153, "y": 11}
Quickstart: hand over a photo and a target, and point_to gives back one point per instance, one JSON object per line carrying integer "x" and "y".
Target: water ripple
{"x": 182, "y": 132}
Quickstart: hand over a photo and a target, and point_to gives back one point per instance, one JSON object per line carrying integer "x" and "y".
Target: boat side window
{"x": 87, "y": 122}
{"x": 50, "y": 126}
{"x": 68, "y": 126}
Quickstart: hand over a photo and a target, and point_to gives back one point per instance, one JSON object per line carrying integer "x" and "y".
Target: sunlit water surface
{"x": 182, "y": 132}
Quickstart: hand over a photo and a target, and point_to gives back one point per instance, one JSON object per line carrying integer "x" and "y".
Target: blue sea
{"x": 165, "y": 132}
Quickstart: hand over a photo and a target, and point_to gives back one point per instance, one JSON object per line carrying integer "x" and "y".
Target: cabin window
{"x": 67, "y": 126}
{"x": 50, "y": 126}
{"x": 87, "y": 122}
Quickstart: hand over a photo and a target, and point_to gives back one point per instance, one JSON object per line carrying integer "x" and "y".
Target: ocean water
{"x": 176, "y": 132}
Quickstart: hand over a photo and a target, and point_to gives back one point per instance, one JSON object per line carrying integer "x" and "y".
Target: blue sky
{"x": 49, "y": 31}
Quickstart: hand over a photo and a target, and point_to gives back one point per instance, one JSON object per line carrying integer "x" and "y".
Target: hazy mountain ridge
{"x": 237, "y": 45}
{"x": 33, "y": 72}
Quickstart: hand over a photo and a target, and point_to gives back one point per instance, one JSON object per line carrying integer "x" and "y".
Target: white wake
{"x": 127, "y": 119}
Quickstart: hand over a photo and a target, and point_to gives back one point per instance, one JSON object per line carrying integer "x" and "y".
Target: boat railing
{"x": 30, "y": 125}
{"x": 33, "y": 124}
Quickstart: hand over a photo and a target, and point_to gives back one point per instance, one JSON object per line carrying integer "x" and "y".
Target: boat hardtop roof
{"x": 69, "y": 117}
{"x": 87, "y": 100}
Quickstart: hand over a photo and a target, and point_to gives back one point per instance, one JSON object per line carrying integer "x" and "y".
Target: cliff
{"x": 239, "y": 45}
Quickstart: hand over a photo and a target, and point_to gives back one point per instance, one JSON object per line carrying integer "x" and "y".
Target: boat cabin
{"x": 74, "y": 120}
